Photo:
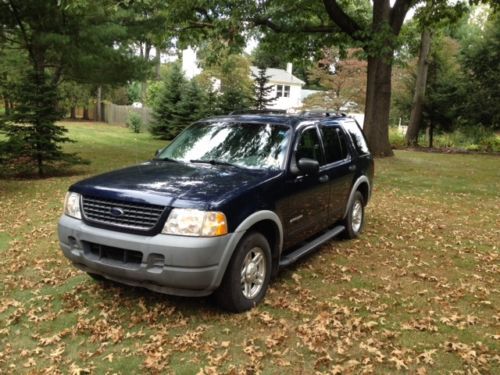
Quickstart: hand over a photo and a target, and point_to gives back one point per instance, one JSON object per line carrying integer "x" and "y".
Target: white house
{"x": 287, "y": 89}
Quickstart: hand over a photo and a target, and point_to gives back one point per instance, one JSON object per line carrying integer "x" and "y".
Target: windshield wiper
{"x": 216, "y": 162}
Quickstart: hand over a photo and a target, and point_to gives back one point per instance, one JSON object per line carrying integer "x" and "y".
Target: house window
{"x": 282, "y": 90}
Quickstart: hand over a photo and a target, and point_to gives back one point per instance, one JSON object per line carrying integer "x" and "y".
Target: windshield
{"x": 256, "y": 146}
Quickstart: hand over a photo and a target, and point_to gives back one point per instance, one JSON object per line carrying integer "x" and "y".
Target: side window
{"x": 309, "y": 146}
{"x": 357, "y": 137}
{"x": 335, "y": 144}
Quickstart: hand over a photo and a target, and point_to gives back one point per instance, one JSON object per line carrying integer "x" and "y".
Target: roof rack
{"x": 321, "y": 113}
{"x": 267, "y": 111}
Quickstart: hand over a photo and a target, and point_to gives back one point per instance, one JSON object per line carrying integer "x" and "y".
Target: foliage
{"x": 189, "y": 108}
{"x": 134, "y": 122}
{"x": 262, "y": 90}
{"x": 33, "y": 138}
{"x": 481, "y": 61}
{"x": 82, "y": 41}
{"x": 343, "y": 78}
{"x": 166, "y": 110}
{"x": 134, "y": 92}
{"x": 230, "y": 75}
{"x": 73, "y": 95}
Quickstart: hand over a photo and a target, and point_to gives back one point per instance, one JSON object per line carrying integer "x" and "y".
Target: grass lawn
{"x": 419, "y": 292}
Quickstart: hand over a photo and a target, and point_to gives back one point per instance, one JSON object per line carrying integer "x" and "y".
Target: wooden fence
{"x": 118, "y": 114}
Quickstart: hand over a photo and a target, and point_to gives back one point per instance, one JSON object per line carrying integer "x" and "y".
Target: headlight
{"x": 72, "y": 205}
{"x": 190, "y": 222}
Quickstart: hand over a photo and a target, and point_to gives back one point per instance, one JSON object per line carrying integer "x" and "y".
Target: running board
{"x": 310, "y": 246}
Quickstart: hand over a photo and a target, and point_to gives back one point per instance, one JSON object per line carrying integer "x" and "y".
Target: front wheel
{"x": 247, "y": 276}
{"x": 355, "y": 218}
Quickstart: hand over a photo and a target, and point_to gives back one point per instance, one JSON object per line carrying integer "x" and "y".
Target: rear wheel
{"x": 355, "y": 218}
{"x": 247, "y": 276}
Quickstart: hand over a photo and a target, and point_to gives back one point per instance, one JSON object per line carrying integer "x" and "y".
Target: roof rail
{"x": 321, "y": 113}
{"x": 267, "y": 111}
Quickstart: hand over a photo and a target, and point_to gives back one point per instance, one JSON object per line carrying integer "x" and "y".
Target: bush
{"x": 396, "y": 139}
{"x": 134, "y": 122}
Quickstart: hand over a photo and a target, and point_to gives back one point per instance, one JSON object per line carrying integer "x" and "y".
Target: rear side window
{"x": 357, "y": 137}
{"x": 335, "y": 144}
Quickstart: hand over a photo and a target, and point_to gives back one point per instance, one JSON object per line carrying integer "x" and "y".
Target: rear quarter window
{"x": 357, "y": 136}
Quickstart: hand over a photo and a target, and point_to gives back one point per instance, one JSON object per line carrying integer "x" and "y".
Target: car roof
{"x": 285, "y": 119}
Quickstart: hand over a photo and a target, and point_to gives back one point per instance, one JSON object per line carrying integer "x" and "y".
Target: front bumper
{"x": 177, "y": 265}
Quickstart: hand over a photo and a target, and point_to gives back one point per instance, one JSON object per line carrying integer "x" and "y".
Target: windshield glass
{"x": 256, "y": 146}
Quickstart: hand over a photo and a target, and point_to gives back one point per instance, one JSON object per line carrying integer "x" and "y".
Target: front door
{"x": 307, "y": 196}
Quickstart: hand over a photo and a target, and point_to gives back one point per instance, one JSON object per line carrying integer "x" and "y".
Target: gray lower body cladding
{"x": 177, "y": 265}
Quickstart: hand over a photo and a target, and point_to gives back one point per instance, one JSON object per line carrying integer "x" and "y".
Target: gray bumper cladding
{"x": 177, "y": 265}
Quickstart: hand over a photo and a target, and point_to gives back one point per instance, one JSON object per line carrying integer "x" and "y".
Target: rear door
{"x": 338, "y": 167}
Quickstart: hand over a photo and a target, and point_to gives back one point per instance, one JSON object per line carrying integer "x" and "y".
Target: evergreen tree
{"x": 190, "y": 106}
{"x": 262, "y": 91}
{"x": 233, "y": 99}
{"x": 33, "y": 136}
{"x": 166, "y": 113}
{"x": 211, "y": 103}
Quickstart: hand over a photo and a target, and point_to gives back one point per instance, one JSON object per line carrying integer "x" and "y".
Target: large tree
{"x": 307, "y": 26}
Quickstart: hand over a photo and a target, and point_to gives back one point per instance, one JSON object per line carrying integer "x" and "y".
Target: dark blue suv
{"x": 225, "y": 205}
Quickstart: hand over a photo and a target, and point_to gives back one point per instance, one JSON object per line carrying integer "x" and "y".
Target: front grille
{"x": 114, "y": 253}
{"x": 131, "y": 215}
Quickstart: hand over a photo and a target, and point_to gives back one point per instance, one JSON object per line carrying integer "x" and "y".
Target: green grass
{"x": 424, "y": 273}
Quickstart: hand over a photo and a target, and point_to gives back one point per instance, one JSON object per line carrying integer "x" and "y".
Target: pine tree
{"x": 33, "y": 137}
{"x": 190, "y": 105}
{"x": 165, "y": 110}
{"x": 233, "y": 99}
{"x": 262, "y": 91}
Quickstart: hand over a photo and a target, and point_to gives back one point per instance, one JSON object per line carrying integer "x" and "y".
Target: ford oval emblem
{"x": 116, "y": 211}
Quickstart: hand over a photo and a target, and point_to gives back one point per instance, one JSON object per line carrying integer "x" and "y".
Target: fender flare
{"x": 359, "y": 181}
{"x": 238, "y": 234}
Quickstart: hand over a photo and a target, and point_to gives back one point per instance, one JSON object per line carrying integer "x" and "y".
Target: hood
{"x": 173, "y": 184}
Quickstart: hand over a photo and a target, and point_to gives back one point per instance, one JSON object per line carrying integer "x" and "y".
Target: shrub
{"x": 134, "y": 122}
{"x": 396, "y": 139}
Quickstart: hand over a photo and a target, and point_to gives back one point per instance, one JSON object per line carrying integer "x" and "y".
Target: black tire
{"x": 354, "y": 226}
{"x": 231, "y": 293}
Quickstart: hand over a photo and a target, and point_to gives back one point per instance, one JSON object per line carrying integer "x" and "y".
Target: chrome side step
{"x": 310, "y": 246}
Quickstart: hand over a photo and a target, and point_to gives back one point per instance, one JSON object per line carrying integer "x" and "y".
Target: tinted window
{"x": 357, "y": 137}
{"x": 257, "y": 146}
{"x": 335, "y": 144}
{"x": 309, "y": 146}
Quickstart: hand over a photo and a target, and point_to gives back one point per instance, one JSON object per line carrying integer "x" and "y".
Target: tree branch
{"x": 343, "y": 20}
{"x": 282, "y": 29}
{"x": 398, "y": 13}
{"x": 27, "y": 41}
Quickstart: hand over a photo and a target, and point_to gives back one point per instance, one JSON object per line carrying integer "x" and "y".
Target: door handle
{"x": 352, "y": 167}
{"x": 324, "y": 178}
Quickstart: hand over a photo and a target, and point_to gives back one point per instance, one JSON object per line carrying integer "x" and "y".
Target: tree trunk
{"x": 377, "y": 106}
{"x": 86, "y": 113}
{"x": 419, "y": 95}
{"x": 72, "y": 114}
{"x": 378, "y": 87}
{"x": 6, "y": 106}
{"x": 158, "y": 64}
{"x": 99, "y": 105}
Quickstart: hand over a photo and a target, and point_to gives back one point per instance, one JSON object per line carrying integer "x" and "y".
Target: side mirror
{"x": 308, "y": 166}
{"x": 158, "y": 152}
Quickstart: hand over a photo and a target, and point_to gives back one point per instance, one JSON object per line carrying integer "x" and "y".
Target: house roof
{"x": 279, "y": 76}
